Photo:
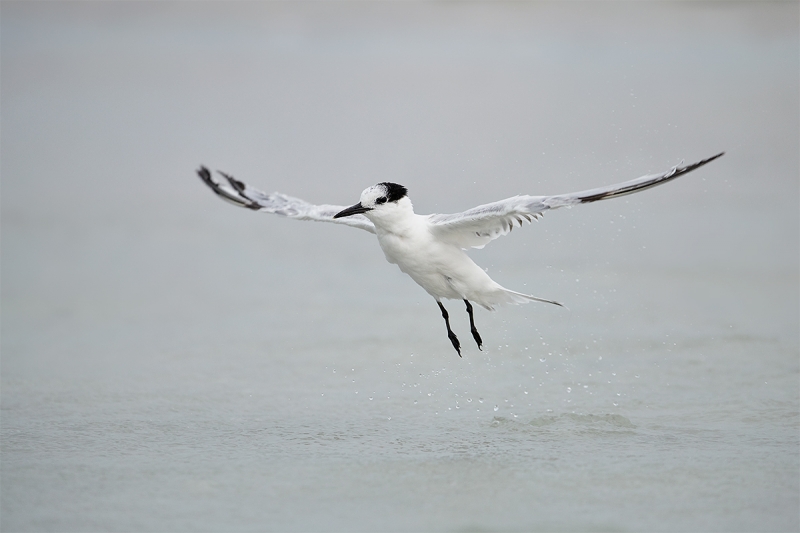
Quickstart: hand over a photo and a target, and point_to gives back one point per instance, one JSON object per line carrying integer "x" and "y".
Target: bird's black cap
{"x": 394, "y": 191}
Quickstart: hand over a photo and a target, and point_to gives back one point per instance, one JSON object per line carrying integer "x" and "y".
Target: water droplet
{"x": 542, "y": 359}
{"x": 415, "y": 402}
{"x": 370, "y": 398}
{"x": 526, "y": 392}
{"x": 480, "y": 400}
{"x": 496, "y": 408}
{"x": 469, "y": 400}
{"x": 569, "y": 389}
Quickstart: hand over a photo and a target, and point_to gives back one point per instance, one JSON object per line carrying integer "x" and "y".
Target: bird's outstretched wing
{"x": 244, "y": 195}
{"x": 478, "y": 226}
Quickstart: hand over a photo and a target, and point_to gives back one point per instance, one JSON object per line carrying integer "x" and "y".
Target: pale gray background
{"x": 171, "y": 362}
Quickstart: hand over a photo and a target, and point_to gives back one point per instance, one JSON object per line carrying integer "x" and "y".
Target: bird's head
{"x": 380, "y": 199}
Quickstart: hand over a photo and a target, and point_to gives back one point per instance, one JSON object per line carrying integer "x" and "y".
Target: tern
{"x": 431, "y": 248}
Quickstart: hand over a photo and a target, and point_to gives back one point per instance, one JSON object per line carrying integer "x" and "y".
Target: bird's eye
{"x": 381, "y": 200}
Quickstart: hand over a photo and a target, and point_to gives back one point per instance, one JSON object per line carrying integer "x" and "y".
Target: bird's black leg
{"x": 475, "y": 334}
{"x": 450, "y": 334}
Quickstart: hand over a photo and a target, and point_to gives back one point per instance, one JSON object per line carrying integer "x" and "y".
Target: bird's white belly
{"x": 443, "y": 270}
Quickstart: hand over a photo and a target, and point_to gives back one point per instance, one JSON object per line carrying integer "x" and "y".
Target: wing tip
{"x": 713, "y": 157}
{"x": 240, "y": 198}
{"x": 688, "y": 168}
{"x": 204, "y": 173}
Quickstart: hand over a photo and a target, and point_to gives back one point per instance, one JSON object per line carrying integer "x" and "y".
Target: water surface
{"x": 173, "y": 363}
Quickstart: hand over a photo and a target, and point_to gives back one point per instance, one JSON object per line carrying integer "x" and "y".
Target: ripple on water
{"x": 605, "y": 421}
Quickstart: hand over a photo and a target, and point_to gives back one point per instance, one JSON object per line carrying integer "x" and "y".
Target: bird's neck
{"x": 398, "y": 220}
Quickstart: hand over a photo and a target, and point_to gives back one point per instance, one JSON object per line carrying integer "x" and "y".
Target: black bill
{"x": 352, "y": 210}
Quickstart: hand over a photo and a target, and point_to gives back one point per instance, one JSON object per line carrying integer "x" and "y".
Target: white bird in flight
{"x": 431, "y": 248}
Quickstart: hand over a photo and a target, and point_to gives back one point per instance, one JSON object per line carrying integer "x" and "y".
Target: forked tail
{"x": 519, "y": 298}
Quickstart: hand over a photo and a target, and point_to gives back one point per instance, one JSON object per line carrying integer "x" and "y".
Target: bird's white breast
{"x": 442, "y": 269}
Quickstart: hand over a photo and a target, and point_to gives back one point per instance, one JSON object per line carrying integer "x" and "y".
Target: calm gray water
{"x": 173, "y": 363}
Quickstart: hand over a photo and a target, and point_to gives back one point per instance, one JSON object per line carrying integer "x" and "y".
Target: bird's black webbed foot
{"x": 455, "y": 341}
{"x": 473, "y": 329}
{"x": 450, "y": 334}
